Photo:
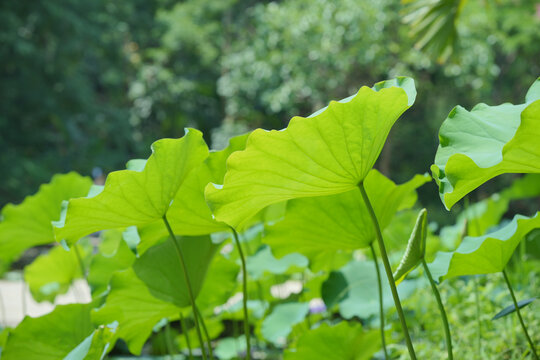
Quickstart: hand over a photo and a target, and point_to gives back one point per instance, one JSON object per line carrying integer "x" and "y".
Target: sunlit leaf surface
{"x": 485, "y": 142}
{"x": 484, "y": 254}
{"x": 132, "y": 197}
{"x": 327, "y": 153}
{"x": 320, "y": 225}
{"x": 29, "y": 223}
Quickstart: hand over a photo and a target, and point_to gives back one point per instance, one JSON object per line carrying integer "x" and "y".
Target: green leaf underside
{"x": 136, "y": 197}
{"x": 484, "y": 254}
{"x": 189, "y": 214}
{"x": 326, "y": 154}
{"x": 107, "y": 261}
{"x": 416, "y": 248}
{"x": 29, "y": 223}
{"x": 50, "y": 337}
{"x": 278, "y": 325}
{"x": 338, "y": 342}
{"x": 134, "y": 307}
{"x": 479, "y": 217}
{"x": 511, "y": 308}
{"x": 160, "y": 269}
{"x": 52, "y": 274}
{"x": 353, "y": 288}
{"x": 340, "y": 222}
{"x": 487, "y": 141}
{"x": 219, "y": 285}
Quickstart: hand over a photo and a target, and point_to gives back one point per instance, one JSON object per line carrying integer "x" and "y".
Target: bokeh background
{"x": 87, "y": 85}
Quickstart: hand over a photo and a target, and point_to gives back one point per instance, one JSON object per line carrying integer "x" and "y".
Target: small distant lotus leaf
{"x": 416, "y": 248}
{"x": 263, "y": 261}
{"x": 278, "y": 325}
{"x": 230, "y": 348}
{"x": 29, "y": 223}
{"x": 484, "y": 254}
{"x": 485, "y": 142}
{"x": 353, "y": 288}
{"x": 136, "y": 310}
{"x": 50, "y": 337}
{"x": 53, "y": 273}
{"x": 320, "y": 225}
{"x": 132, "y": 197}
{"x": 327, "y": 153}
{"x": 337, "y": 342}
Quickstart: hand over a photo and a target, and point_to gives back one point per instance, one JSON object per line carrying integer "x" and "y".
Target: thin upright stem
{"x": 80, "y": 261}
{"x": 186, "y": 335}
{"x": 479, "y": 349}
{"x": 441, "y": 310}
{"x": 188, "y": 283}
{"x": 244, "y": 295}
{"x": 388, "y": 270}
{"x": 168, "y": 340}
{"x": 518, "y": 312}
{"x": 205, "y": 330}
{"x": 381, "y": 307}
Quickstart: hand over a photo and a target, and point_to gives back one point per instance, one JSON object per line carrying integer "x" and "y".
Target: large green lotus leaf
{"x": 29, "y": 223}
{"x": 137, "y": 311}
{"x": 114, "y": 255}
{"x": 338, "y": 342}
{"x": 96, "y": 345}
{"x": 327, "y": 153}
{"x": 189, "y": 213}
{"x": 136, "y": 197}
{"x": 50, "y": 337}
{"x": 217, "y": 161}
{"x": 53, "y": 273}
{"x": 160, "y": 268}
{"x": 475, "y": 220}
{"x": 353, "y": 288}
{"x": 485, "y": 142}
{"x": 219, "y": 285}
{"x": 484, "y": 254}
{"x": 278, "y": 325}
{"x": 416, "y": 248}
{"x": 264, "y": 262}
{"x": 319, "y": 225}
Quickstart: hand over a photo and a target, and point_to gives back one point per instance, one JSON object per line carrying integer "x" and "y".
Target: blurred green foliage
{"x": 90, "y": 84}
